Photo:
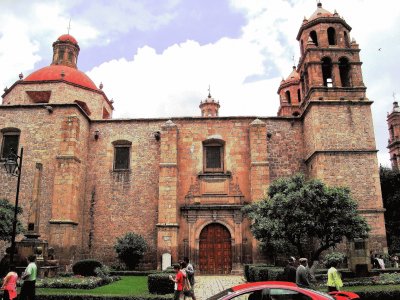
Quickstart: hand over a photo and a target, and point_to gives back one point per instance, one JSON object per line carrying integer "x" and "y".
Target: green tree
{"x": 306, "y": 214}
{"x": 390, "y": 185}
{"x": 6, "y": 220}
{"x": 130, "y": 249}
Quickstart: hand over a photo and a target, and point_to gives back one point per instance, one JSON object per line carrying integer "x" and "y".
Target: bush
{"x": 333, "y": 257}
{"x": 160, "y": 284}
{"x": 86, "y": 267}
{"x": 249, "y": 274}
{"x": 262, "y": 272}
{"x": 73, "y": 283}
{"x": 130, "y": 249}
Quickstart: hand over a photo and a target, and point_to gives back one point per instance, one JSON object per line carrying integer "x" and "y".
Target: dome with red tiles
{"x": 67, "y": 37}
{"x": 60, "y": 72}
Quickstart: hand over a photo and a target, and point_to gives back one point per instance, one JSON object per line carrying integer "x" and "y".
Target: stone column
{"x": 33, "y": 219}
{"x": 167, "y": 227}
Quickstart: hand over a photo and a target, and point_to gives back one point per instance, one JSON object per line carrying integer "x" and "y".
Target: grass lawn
{"x": 128, "y": 285}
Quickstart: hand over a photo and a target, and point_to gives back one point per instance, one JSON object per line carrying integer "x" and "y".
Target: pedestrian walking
{"x": 10, "y": 284}
{"x": 178, "y": 279}
{"x": 188, "y": 290}
{"x": 334, "y": 280}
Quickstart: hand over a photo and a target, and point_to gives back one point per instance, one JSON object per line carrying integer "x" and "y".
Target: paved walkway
{"x": 207, "y": 286}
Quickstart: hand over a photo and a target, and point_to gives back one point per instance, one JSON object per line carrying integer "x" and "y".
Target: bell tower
{"x": 329, "y": 67}
{"x": 339, "y": 140}
{"x": 393, "y": 120}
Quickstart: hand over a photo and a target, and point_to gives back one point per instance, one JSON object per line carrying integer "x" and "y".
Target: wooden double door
{"x": 215, "y": 250}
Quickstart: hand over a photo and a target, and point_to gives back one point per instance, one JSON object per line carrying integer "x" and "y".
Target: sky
{"x": 157, "y": 58}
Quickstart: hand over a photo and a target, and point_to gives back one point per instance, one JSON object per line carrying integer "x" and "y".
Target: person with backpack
{"x": 188, "y": 290}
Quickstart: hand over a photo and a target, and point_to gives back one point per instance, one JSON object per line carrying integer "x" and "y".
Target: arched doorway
{"x": 215, "y": 250}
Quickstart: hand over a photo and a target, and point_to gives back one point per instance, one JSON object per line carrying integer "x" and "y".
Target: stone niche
{"x": 214, "y": 189}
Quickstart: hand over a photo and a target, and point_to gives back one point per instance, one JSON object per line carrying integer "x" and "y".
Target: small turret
{"x": 290, "y": 95}
{"x": 393, "y": 121}
{"x": 209, "y": 107}
{"x": 65, "y": 51}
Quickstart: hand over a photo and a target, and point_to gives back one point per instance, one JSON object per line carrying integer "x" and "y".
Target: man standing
{"x": 302, "y": 273}
{"x": 29, "y": 277}
{"x": 289, "y": 272}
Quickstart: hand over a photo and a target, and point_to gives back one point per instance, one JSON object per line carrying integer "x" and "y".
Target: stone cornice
{"x": 211, "y": 207}
{"x": 64, "y": 222}
{"x": 306, "y": 104}
{"x": 168, "y": 225}
{"x": 69, "y": 157}
{"x": 322, "y": 20}
{"x": 338, "y": 151}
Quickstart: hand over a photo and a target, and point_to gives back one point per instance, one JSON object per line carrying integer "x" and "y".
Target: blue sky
{"x": 156, "y": 58}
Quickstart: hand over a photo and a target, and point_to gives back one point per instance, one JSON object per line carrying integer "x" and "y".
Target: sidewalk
{"x": 207, "y": 286}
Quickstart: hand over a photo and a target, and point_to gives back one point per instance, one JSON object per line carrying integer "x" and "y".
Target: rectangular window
{"x": 121, "y": 158}
{"x": 10, "y": 141}
{"x": 213, "y": 156}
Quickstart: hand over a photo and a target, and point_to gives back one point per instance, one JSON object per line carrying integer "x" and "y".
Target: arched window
{"x": 331, "y": 36}
{"x": 213, "y": 156}
{"x": 10, "y": 141}
{"x": 302, "y": 47}
{"x": 327, "y": 71}
{"x": 70, "y": 56}
{"x": 122, "y": 150}
{"x": 288, "y": 99}
{"x": 346, "y": 39}
{"x": 344, "y": 70}
{"x": 391, "y": 130}
{"x": 298, "y": 95}
{"x": 61, "y": 55}
{"x": 313, "y": 35}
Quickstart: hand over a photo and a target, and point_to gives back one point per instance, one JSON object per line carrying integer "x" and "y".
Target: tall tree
{"x": 306, "y": 214}
{"x": 390, "y": 185}
{"x": 6, "y": 220}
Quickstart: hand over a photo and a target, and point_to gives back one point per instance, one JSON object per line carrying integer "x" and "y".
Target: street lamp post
{"x": 14, "y": 168}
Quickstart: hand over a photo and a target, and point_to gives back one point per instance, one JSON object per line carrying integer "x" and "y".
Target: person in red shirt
{"x": 178, "y": 279}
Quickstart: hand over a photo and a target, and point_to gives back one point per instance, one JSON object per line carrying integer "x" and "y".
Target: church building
{"x": 181, "y": 182}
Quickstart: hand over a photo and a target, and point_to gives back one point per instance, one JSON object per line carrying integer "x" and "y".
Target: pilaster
{"x": 167, "y": 227}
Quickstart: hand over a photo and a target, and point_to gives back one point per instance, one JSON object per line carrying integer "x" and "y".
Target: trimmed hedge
{"x": 86, "y": 283}
{"x": 160, "y": 284}
{"x": 86, "y": 267}
{"x": 105, "y": 297}
{"x": 133, "y": 273}
{"x": 262, "y": 272}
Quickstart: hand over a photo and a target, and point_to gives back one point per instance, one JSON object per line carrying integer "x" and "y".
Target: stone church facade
{"x": 181, "y": 182}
